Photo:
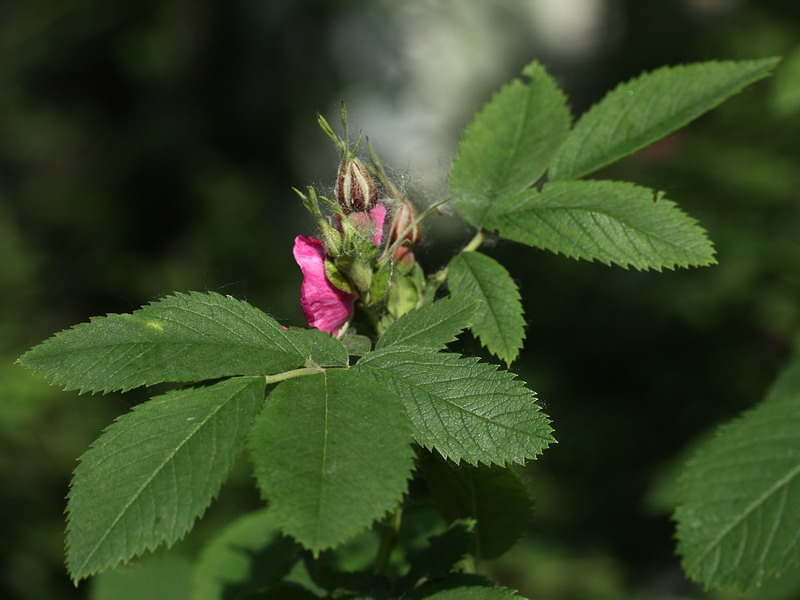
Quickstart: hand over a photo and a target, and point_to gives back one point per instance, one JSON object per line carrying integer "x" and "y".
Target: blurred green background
{"x": 151, "y": 146}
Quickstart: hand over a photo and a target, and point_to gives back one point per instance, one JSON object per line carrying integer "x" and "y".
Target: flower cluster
{"x": 364, "y": 252}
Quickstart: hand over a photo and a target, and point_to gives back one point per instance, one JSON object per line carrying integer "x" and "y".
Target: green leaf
{"x": 357, "y": 345}
{"x": 509, "y": 144}
{"x": 643, "y": 110}
{"x": 154, "y": 471}
{"x": 496, "y": 498}
{"x": 441, "y": 555}
{"x": 475, "y": 593}
{"x": 185, "y": 337}
{"x": 249, "y": 554}
{"x": 332, "y": 453}
{"x": 499, "y": 323}
{"x": 608, "y": 221}
{"x": 324, "y": 350}
{"x": 162, "y": 577}
{"x": 431, "y": 326}
{"x": 785, "y": 98}
{"x": 466, "y": 410}
{"x": 738, "y": 519}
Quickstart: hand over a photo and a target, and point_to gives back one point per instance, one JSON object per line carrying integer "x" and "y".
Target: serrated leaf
{"x": 154, "y": 471}
{"x": 324, "y": 350}
{"x": 643, "y": 110}
{"x": 430, "y": 326}
{"x": 496, "y": 498}
{"x": 738, "y": 518}
{"x": 498, "y": 322}
{"x": 509, "y": 144}
{"x": 180, "y": 338}
{"x": 607, "y": 221}
{"x": 162, "y": 577}
{"x": 249, "y": 554}
{"x": 466, "y": 410}
{"x": 332, "y": 453}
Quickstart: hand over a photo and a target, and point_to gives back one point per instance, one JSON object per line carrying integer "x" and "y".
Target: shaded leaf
{"x": 643, "y": 110}
{"x": 738, "y": 518}
{"x": 496, "y": 498}
{"x": 498, "y": 322}
{"x": 466, "y": 410}
{"x": 185, "y": 337}
{"x": 332, "y": 453}
{"x": 608, "y": 221}
{"x": 249, "y": 554}
{"x": 509, "y": 144}
{"x": 161, "y": 577}
{"x": 155, "y": 470}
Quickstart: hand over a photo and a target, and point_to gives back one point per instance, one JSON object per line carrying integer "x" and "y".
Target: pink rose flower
{"x": 325, "y": 306}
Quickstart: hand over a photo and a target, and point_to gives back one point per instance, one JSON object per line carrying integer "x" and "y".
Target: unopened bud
{"x": 355, "y": 188}
{"x": 405, "y": 228}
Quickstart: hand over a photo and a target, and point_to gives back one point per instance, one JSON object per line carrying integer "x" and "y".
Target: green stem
{"x": 391, "y": 529}
{"x": 438, "y": 278}
{"x": 292, "y": 374}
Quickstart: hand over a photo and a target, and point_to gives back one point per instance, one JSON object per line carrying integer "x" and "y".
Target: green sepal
{"x": 336, "y": 277}
{"x": 380, "y": 283}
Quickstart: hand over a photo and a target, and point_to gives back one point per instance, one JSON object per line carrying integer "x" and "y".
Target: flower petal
{"x": 378, "y": 213}
{"x": 325, "y": 307}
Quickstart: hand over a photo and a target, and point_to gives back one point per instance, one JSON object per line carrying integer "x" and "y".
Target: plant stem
{"x": 292, "y": 374}
{"x": 438, "y": 278}
{"x": 391, "y": 528}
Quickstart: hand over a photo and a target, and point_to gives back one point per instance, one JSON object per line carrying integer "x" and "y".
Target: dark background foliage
{"x": 149, "y": 147}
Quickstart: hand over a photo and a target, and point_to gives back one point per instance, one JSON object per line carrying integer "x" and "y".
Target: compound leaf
{"x": 643, "y": 110}
{"x": 498, "y": 323}
{"x": 430, "y": 326}
{"x": 738, "y": 516}
{"x": 509, "y": 144}
{"x": 180, "y": 338}
{"x": 154, "y": 471}
{"x": 332, "y": 453}
{"x": 466, "y": 410}
{"x": 608, "y": 221}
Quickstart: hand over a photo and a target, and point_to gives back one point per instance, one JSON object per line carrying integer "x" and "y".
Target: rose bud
{"x": 355, "y": 188}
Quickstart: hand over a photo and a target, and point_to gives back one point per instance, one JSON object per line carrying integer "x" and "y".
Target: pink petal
{"x": 379, "y": 216}
{"x": 325, "y": 306}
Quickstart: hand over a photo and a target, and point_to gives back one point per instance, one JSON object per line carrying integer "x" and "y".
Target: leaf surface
{"x": 509, "y": 144}
{"x": 332, "y": 453}
{"x": 643, "y": 110}
{"x": 160, "y": 577}
{"x": 430, "y": 326}
{"x": 324, "y": 350}
{"x": 607, "y": 221}
{"x": 466, "y": 410}
{"x": 154, "y": 471}
{"x": 738, "y": 516}
{"x": 499, "y": 322}
{"x": 475, "y": 593}
{"x": 496, "y": 498}
{"x": 249, "y": 554}
{"x": 180, "y": 338}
